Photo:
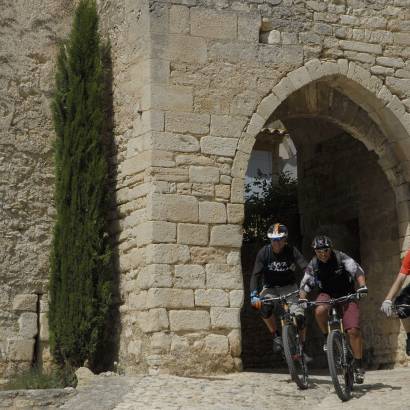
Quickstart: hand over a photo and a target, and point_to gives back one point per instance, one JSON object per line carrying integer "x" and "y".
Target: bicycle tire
{"x": 339, "y": 369}
{"x": 294, "y": 356}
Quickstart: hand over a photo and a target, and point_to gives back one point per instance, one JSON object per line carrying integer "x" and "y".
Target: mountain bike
{"x": 400, "y": 310}
{"x": 339, "y": 353}
{"x": 292, "y": 340}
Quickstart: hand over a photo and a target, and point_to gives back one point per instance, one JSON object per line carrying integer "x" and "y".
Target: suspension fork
{"x": 333, "y": 319}
{"x": 284, "y": 317}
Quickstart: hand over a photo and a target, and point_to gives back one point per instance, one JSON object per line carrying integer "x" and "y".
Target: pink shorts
{"x": 350, "y": 312}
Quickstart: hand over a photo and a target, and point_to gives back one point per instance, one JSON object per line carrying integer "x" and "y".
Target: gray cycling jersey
{"x": 335, "y": 277}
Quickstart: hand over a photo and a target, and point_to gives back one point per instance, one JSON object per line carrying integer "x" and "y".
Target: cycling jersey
{"x": 276, "y": 269}
{"x": 405, "y": 266}
{"x": 336, "y": 277}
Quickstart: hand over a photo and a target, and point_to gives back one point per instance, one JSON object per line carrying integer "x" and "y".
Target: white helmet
{"x": 277, "y": 231}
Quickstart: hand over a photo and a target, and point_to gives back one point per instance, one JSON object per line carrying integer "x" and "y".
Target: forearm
{"x": 254, "y": 282}
{"x": 361, "y": 280}
{"x": 396, "y": 286}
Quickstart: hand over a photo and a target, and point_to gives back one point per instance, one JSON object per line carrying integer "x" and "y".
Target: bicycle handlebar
{"x": 277, "y": 298}
{"x": 335, "y": 301}
{"x": 397, "y": 310}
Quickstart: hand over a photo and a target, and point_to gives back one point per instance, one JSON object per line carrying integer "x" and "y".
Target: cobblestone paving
{"x": 384, "y": 389}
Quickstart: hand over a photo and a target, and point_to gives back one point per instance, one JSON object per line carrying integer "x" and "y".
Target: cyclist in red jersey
{"x": 402, "y": 285}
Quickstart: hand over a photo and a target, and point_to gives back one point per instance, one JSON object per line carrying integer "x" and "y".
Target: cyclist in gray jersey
{"x": 336, "y": 274}
{"x": 274, "y": 275}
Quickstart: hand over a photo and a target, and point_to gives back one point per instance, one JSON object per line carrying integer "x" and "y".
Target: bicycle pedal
{"x": 358, "y": 376}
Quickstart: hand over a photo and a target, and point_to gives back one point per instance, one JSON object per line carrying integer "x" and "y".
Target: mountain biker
{"x": 274, "y": 275}
{"x": 336, "y": 274}
{"x": 402, "y": 282}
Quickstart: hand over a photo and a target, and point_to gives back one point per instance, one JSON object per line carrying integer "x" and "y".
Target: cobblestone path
{"x": 383, "y": 390}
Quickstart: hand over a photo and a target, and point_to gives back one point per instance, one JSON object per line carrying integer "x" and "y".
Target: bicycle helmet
{"x": 277, "y": 231}
{"x": 321, "y": 242}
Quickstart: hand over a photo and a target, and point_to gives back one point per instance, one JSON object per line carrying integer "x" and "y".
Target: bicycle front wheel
{"x": 339, "y": 367}
{"x": 294, "y": 356}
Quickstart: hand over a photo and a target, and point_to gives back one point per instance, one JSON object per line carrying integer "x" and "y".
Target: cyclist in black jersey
{"x": 274, "y": 275}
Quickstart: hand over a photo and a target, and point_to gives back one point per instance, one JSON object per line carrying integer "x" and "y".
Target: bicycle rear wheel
{"x": 294, "y": 356}
{"x": 339, "y": 368}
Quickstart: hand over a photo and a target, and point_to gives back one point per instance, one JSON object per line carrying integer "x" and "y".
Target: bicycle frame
{"x": 292, "y": 346}
{"x": 334, "y": 320}
{"x": 286, "y": 317}
{"x": 335, "y": 326}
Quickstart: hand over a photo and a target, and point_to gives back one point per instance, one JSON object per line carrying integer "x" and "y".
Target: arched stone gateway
{"x": 364, "y": 198}
{"x": 194, "y": 82}
{"x": 360, "y": 104}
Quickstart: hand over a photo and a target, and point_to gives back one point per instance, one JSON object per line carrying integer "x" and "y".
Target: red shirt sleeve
{"x": 405, "y": 265}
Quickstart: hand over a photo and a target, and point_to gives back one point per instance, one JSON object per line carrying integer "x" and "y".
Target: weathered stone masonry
{"x": 194, "y": 82}
{"x": 29, "y": 32}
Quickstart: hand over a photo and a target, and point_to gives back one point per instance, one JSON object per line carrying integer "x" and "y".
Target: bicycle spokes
{"x": 294, "y": 356}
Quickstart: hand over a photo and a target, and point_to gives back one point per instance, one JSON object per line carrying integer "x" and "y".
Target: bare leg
{"x": 321, "y": 315}
{"x": 406, "y": 324}
{"x": 270, "y": 323}
{"x": 356, "y": 342}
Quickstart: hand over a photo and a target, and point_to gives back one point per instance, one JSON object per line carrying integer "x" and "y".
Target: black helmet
{"x": 321, "y": 242}
{"x": 277, "y": 231}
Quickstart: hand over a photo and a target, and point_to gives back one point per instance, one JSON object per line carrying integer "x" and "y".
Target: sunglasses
{"x": 277, "y": 239}
{"x": 322, "y": 250}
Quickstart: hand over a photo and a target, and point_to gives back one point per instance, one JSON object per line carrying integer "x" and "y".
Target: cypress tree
{"x": 81, "y": 268}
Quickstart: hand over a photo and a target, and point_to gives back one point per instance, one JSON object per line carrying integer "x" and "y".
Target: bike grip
{"x": 257, "y": 305}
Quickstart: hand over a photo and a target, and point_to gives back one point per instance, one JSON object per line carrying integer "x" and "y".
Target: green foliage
{"x": 269, "y": 203}
{"x": 36, "y": 378}
{"x": 81, "y": 268}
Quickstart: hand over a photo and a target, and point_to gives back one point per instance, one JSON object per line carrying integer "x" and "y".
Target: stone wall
{"x": 127, "y": 25}
{"x": 29, "y": 33}
{"x": 194, "y": 81}
{"x": 218, "y": 71}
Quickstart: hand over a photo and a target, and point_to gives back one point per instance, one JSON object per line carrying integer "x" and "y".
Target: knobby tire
{"x": 294, "y": 356}
{"x": 339, "y": 368}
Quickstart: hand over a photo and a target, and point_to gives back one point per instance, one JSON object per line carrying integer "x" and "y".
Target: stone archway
{"x": 349, "y": 99}
{"x": 368, "y": 92}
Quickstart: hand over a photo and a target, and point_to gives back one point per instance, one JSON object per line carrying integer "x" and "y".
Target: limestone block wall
{"x": 127, "y": 25}
{"x": 194, "y": 81}
{"x": 29, "y": 33}
{"x": 218, "y": 70}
